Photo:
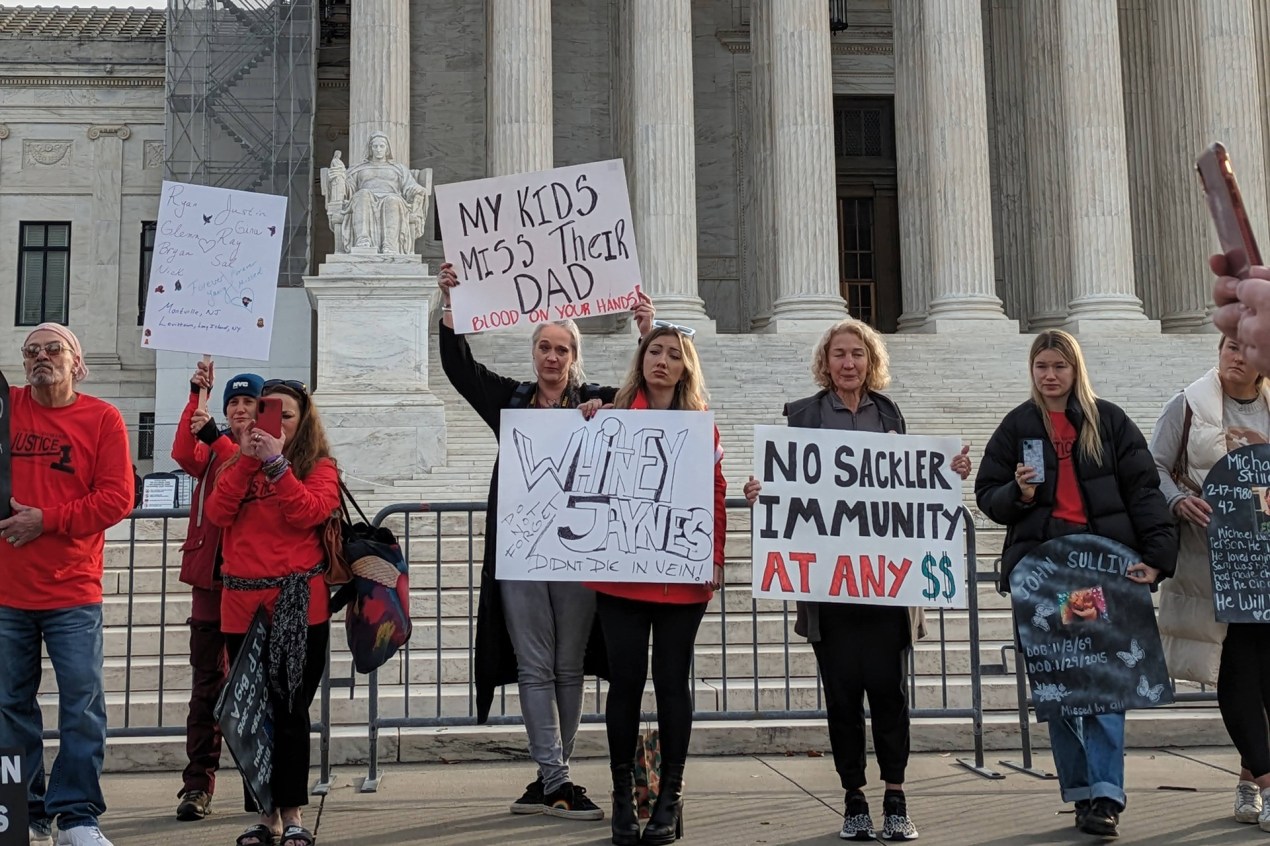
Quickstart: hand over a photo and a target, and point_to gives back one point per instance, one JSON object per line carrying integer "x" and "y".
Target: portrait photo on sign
{"x": 1082, "y": 606}
{"x": 1260, "y": 503}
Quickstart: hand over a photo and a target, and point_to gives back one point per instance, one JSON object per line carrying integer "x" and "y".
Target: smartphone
{"x": 1226, "y": 205}
{"x": 269, "y": 415}
{"x": 1034, "y": 457}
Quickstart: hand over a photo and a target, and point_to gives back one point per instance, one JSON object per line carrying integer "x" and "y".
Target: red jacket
{"x": 271, "y": 530}
{"x": 201, "y": 549}
{"x": 72, "y": 463}
{"x": 680, "y": 594}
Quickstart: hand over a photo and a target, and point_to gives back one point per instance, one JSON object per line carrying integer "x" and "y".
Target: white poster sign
{"x": 627, "y": 496}
{"x": 214, "y": 271}
{"x": 159, "y": 490}
{"x": 534, "y": 247}
{"x": 858, "y": 517}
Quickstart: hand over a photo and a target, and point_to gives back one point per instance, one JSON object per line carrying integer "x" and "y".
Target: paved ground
{"x": 1176, "y": 796}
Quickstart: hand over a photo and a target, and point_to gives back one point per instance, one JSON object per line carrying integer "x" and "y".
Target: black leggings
{"x": 627, "y": 624}
{"x": 1243, "y": 692}
{"x": 290, "y": 781}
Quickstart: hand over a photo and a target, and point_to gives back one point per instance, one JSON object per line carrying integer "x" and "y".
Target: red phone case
{"x": 1234, "y": 232}
{"x": 269, "y": 416}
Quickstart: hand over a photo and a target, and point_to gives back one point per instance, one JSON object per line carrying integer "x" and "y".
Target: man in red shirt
{"x": 72, "y": 480}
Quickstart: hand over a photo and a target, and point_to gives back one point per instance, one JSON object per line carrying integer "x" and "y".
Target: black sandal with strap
{"x": 262, "y": 834}
{"x": 298, "y": 835}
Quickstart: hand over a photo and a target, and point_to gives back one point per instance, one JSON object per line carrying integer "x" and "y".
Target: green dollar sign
{"x": 928, "y": 570}
{"x": 950, "y": 586}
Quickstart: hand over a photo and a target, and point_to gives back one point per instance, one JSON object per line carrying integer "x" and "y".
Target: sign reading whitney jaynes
{"x": 534, "y": 247}
{"x": 627, "y": 496}
{"x": 858, "y": 517}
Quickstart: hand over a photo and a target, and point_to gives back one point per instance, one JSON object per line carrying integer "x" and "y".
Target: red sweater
{"x": 74, "y": 464}
{"x": 271, "y": 530}
{"x": 679, "y": 593}
{"x": 1067, "y": 502}
{"x": 202, "y": 536}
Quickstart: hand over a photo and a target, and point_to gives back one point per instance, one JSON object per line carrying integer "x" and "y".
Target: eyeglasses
{"x": 291, "y": 384}
{"x": 686, "y": 331}
{"x": 52, "y": 348}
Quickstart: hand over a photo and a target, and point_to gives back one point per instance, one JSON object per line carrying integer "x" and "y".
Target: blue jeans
{"x": 73, "y": 636}
{"x": 1089, "y": 755}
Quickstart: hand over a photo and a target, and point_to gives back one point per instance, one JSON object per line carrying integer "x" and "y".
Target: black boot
{"x": 625, "y": 817}
{"x": 666, "y": 824}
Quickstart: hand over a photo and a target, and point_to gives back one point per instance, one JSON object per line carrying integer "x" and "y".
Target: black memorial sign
{"x": 245, "y": 715}
{"x": 1238, "y": 489}
{"x": 13, "y": 812}
{"x": 1087, "y": 632}
{"x": 6, "y": 450}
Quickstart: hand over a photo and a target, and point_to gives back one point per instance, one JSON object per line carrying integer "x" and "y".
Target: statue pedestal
{"x": 383, "y": 422}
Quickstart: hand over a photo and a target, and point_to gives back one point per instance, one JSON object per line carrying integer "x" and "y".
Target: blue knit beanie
{"x": 243, "y": 385}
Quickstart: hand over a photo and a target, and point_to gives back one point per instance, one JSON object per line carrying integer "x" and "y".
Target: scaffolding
{"x": 241, "y": 84}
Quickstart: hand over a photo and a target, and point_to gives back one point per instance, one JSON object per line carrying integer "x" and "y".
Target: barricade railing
{"x": 732, "y": 705}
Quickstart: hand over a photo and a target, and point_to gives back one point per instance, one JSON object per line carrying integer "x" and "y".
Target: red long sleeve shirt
{"x": 202, "y": 536}
{"x": 271, "y": 530}
{"x": 72, "y": 463}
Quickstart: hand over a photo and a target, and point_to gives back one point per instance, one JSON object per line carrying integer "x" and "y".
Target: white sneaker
{"x": 83, "y": 835}
{"x": 1248, "y": 803}
{"x": 1263, "y": 819}
{"x": 39, "y": 838}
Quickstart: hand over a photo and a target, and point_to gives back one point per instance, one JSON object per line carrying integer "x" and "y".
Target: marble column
{"x": 1099, "y": 232}
{"x": 760, "y": 187}
{"x": 910, "y": 155}
{"x": 960, "y": 206}
{"x": 1140, "y": 142}
{"x": 100, "y": 288}
{"x": 519, "y": 89}
{"x": 1010, "y": 47}
{"x": 664, "y": 200}
{"x": 803, "y": 213}
{"x": 379, "y": 76}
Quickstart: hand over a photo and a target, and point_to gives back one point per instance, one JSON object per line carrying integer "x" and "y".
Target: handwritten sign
{"x": 214, "y": 273}
{"x": 627, "y": 496}
{"x": 534, "y": 247}
{"x": 857, "y": 517}
{"x": 246, "y": 715}
{"x": 13, "y": 807}
{"x": 159, "y": 490}
{"x": 1238, "y": 489}
{"x": 1088, "y": 633}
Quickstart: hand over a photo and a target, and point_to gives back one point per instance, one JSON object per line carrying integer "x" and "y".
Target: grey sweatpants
{"x": 549, "y": 624}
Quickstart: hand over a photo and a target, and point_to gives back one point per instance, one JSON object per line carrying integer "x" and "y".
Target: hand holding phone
{"x": 1034, "y": 457}
{"x": 269, "y": 416}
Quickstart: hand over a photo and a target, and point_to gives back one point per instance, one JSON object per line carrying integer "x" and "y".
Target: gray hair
{"x": 576, "y": 377}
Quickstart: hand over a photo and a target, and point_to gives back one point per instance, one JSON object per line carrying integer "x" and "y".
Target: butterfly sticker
{"x": 207, "y": 218}
{"x": 177, "y": 285}
{"x": 1145, "y": 689}
{"x": 1133, "y": 656}
{"x": 273, "y": 230}
{"x": 1043, "y": 610}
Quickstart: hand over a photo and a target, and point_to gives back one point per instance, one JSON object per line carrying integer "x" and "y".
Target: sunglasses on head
{"x": 291, "y": 384}
{"x": 686, "y": 331}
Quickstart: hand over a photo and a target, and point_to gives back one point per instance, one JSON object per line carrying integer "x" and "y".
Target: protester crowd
{"x": 264, "y": 501}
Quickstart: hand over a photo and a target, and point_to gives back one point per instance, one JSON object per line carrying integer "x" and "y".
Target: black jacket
{"x": 488, "y": 394}
{"x": 1122, "y": 498}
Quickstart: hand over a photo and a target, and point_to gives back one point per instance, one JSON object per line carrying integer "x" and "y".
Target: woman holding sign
{"x": 273, "y": 499}
{"x": 1066, "y": 462}
{"x": 861, "y": 649}
{"x": 533, "y": 633}
{"x": 665, "y": 374}
{"x": 1225, "y": 409}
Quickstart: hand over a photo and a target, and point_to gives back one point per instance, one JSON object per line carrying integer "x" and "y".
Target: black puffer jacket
{"x": 1122, "y": 498}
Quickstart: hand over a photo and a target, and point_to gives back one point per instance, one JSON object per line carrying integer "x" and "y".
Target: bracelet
{"x": 274, "y": 467}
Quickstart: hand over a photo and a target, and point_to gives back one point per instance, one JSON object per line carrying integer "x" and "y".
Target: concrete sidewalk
{"x": 1176, "y": 796}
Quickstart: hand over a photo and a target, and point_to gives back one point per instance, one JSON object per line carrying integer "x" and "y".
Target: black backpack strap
{"x": 346, "y": 497}
{"x": 522, "y": 395}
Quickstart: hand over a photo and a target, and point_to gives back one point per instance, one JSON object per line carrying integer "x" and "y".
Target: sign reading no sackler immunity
{"x": 534, "y": 247}
{"x": 858, "y": 517}
{"x": 627, "y": 496}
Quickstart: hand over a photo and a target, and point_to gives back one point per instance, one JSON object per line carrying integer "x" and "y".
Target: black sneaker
{"x": 531, "y": 801}
{"x": 571, "y": 803}
{"x": 1082, "y": 811}
{"x": 195, "y": 805}
{"x": 896, "y": 824}
{"x": 856, "y": 822}
{"x": 1103, "y": 818}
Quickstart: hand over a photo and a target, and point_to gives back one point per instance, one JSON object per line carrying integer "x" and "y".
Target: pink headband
{"x": 68, "y": 337}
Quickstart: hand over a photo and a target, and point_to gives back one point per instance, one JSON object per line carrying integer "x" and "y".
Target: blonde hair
{"x": 690, "y": 393}
{"x": 1065, "y": 345}
{"x": 577, "y": 377}
{"x": 878, "y": 375}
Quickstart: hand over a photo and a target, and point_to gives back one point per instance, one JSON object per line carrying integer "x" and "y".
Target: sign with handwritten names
{"x": 1088, "y": 633}
{"x": 214, "y": 271}
{"x": 536, "y": 247}
{"x": 857, "y": 517}
{"x": 13, "y": 802}
{"x": 245, "y": 713}
{"x": 1238, "y": 490}
{"x": 627, "y": 496}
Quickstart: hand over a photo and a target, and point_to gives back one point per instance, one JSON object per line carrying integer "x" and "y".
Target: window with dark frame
{"x": 855, "y": 242}
{"x": 145, "y": 436}
{"x": 143, "y": 276}
{"x": 44, "y": 263}
{"x": 863, "y": 128}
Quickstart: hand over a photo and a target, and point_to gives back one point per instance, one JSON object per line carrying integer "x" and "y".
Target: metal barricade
{"x": 452, "y": 707}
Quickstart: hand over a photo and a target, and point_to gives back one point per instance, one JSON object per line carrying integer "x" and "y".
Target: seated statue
{"x": 377, "y": 205}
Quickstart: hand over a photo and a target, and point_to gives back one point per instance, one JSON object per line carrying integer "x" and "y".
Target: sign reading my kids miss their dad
{"x": 1238, "y": 490}
{"x": 1087, "y": 632}
{"x": 214, "y": 272}
{"x": 858, "y": 517}
{"x": 536, "y": 247}
{"x": 627, "y": 496}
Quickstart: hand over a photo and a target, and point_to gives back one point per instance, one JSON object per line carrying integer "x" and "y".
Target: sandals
{"x": 298, "y": 835}
{"x": 257, "y": 835}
